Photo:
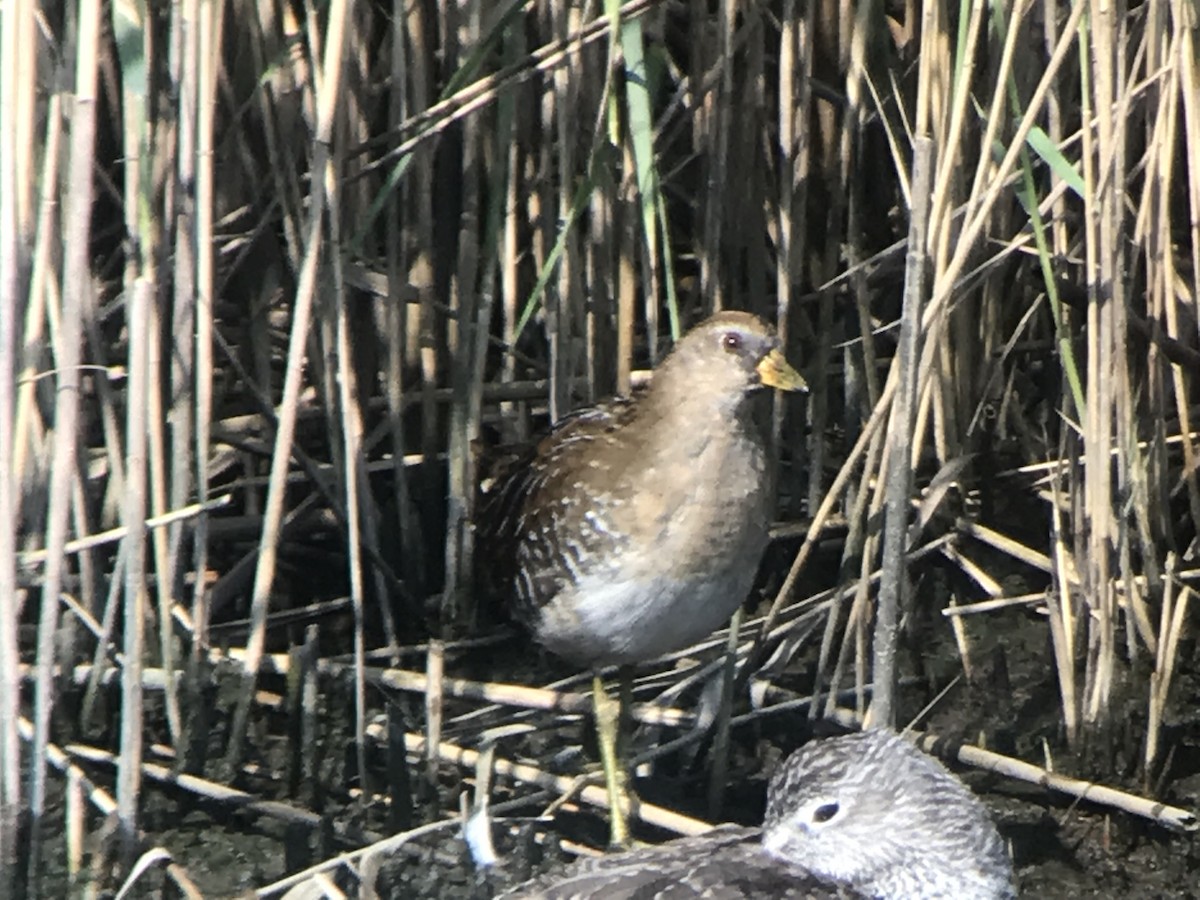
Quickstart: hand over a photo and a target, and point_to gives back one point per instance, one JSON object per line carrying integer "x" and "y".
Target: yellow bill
{"x": 775, "y": 372}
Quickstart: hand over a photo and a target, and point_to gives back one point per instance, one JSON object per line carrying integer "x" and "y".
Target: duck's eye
{"x": 731, "y": 341}
{"x": 825, "y": 812}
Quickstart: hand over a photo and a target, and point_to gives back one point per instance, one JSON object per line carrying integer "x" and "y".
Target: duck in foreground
{"x": 635, "y": 528}
{"x": 862, "y": 816}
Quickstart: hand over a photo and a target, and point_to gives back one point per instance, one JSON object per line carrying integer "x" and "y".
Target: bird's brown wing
{"x": 521, "y": 505}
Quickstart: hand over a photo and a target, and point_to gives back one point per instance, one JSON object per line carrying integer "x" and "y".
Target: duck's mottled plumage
{"x": 862, "y": 816}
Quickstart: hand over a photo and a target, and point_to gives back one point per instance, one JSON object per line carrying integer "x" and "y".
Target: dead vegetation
{"x": 271, "y": 273}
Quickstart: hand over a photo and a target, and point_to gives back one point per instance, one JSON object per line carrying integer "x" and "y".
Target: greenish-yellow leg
{"x": 608, "y": 713}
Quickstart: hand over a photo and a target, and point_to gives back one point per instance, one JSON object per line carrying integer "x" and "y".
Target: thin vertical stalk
{"x": 1061, "y": 608}
{"x": 562, "y": 306}
{"x": 131, "y": 31}
{"x": 510, "y": 246}
{"x": 20, "y": 26}
{"x": 961, "y": 93}
{"x": 264, "y": 574}
{"x": 656, "y": 273}
{"x": 893, "y": 585}
{"x": 1187, "y": 62}
{"x": 495, "y": 145}
{"x": 1181, "y": 92}
{"x": 789, "y": 232}
{"x": 465, "y": 301}
{"x": 420, "y": 344}
{"x": 849, "y": 195}
{"x": 627, "y": 282}
{"x": 43, "y": 281}
{"x": 715, "y": 150}
{"x": 818, "y": 406}
{"x": 208, "y": 28}
{"x": 396, "y": 316}
{"x": 76, "y": 287}
{"x": 156, "y": 424}
{"x": 353, "y": 477}
{"x": 1103, "y": 203}
{"x": 129, "y": 766}
{"x": 11, "y": 253}
{"x": 1145, "y": 474}
{"x": 751, "y": 216}
{"x": 179, "y": 219}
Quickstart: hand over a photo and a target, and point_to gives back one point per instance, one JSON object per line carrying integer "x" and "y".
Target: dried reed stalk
{"x": 519, "y": 188}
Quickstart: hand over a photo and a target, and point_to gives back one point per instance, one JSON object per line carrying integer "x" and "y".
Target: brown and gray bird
{"x": 635, "y": 527}
{"x": 862, "y": 816}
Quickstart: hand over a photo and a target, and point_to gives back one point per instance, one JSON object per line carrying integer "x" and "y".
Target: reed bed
{"x": 272, "y": 274}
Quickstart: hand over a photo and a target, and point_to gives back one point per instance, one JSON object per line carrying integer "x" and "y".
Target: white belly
{"x": 691, "y": 566}
{"x": 602, "y": 622}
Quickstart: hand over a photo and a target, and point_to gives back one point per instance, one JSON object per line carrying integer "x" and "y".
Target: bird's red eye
{"x": 731, "y": 341}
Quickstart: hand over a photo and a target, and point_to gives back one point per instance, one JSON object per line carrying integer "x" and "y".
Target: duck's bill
{"x": 775, "y": 372}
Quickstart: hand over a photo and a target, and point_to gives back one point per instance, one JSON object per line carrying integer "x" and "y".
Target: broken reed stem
{"x": 1171, "y": 620}
{"x": 593, "y": 795}
{"x": 1136, "y": 75}
{"x": 434, "y": 692}
{"x": 1169, "y": 816}
{"x": 100, "y": 799}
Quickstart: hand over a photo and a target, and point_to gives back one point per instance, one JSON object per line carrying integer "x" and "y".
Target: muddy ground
{"x": 1062, "y": 848}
